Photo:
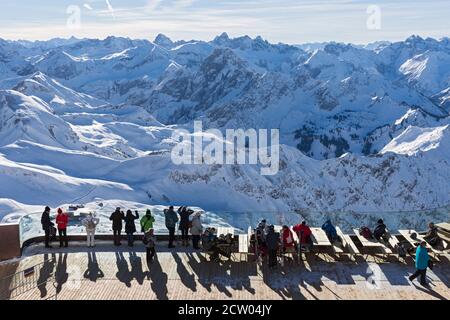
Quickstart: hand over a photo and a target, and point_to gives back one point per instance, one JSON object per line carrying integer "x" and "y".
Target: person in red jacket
{"x": 288, "y": 239}
{"x": 304, "y": 234}
{"x": 62, "y": 220}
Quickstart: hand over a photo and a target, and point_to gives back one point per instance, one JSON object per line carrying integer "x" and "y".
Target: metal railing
{"x": 37, "y": 277}
{"x": 30, "y": 225}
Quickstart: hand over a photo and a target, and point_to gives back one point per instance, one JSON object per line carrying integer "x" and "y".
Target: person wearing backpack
{"x": 171, "y": 220}
{"x": 116, "y": 218}
{"x": 432, "y": 236}
{"x": 90, "y": 223}
{"x": 380, "y": 230}
{"x": 47, "y": 225}
{"x": 330, "y": 231}
{"x": 130, "y": 226}
{"x": 147, "y": 221}
{"x": 422, "y": 261}
{"x": 184, "y": 226}
{"x": 196, "y": 230}
{"x": 62, "y": 220}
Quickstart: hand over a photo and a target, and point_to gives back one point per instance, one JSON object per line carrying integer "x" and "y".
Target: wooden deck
{"x": 105, "y": 273}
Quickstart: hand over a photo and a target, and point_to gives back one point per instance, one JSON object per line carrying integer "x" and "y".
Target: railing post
{"x": 10, "y": 244}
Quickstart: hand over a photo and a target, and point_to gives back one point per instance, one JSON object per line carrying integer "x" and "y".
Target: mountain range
{"x": 362, "y": 128}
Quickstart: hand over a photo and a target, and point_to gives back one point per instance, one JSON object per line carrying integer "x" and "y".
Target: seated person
{"x": 209, "y": 239}
{"x": 432, "y": 236}
{"x": 304, "y": 234}
{"x": 330, "y": 230}
{"x": 287, "y": 239}
{"x": 259, "y": 243}
{"x": 211, "y": 243}
{"x": 380, "y": 230}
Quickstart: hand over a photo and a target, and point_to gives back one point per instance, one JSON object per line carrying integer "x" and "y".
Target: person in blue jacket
{"x": 422, "y": 259}
{"x": 330, "y": 230}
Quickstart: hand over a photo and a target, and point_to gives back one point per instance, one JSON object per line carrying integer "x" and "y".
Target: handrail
{"x": 28, "y": 279}
{"x": 416, "y": 219}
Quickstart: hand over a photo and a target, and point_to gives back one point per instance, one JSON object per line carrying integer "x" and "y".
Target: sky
{"x": 287, "y": 21}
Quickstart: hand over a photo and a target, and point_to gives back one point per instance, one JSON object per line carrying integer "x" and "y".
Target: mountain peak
{"x": 163, "y": 41}
{"x": 414, "y": 38}
{"x": 223, "y": 38}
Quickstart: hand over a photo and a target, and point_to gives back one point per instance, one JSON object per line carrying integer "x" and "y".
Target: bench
{"x": 444, "y": 226}
{"x": 320, "y": 239}
{"x": 347, "y": 242}
{"x": 372, "y": 244}
{"x": 407, "y": 235}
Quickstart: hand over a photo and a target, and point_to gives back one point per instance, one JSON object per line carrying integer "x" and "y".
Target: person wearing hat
{"x": 422, "y": 259}
{"x": 147, "y": 221}
{"x": 47, "y": 225}
{"x": 117, "y": 217}
{"x": 62, "y": 220}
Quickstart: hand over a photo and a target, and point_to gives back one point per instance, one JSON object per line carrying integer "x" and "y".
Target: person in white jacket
{"x": 90, "y": 223}
{"x": 196, "y": 229}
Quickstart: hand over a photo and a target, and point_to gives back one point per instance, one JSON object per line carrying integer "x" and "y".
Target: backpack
{"x": 401, "y": 251}
{"x": 90, "y": 224}
{"x": 365, "y": 232}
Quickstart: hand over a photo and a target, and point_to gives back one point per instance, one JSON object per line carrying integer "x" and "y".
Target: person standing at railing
{"x": 196, "y": 230}
{"x": 171, "y": 222}
{"x": 147, "y": 221}
{"x": 273, "y": 242}
{"x": 90, "y": 223}
{"x": 62, "y": 220}
{"x": 130, "y": 226}
{"x": 47, "y": 225}
{"x": 184, "y": 213}
{"x": 116, "y": 218}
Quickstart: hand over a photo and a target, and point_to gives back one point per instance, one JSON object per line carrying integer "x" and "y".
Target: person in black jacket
{"x": 184, "y": 213}
{"x": 380, "y": 230}
{"x": 47, "y": 224}
{"x": 272, "y": 242}
{"x": 130, "y": 226}
{"x": 116, "y": 218}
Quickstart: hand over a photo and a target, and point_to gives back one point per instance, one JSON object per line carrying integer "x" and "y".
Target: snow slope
{"x": 363, "y": 129}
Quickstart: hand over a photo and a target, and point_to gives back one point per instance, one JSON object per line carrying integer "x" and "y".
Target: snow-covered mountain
{"x": 363, "y": 128}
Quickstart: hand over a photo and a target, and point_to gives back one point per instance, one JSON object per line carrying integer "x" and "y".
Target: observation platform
{"x": 109, "y": 272}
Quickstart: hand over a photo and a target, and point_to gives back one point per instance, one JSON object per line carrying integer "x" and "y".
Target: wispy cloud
{"x": 291, "y": 21}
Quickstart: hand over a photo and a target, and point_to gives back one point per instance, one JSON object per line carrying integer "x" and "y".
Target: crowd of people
{"x": 188, "y": 222}
{"x": 265, "y": 240}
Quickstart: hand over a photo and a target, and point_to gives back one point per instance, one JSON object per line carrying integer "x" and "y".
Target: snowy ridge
{"x": 362, "y": 128}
